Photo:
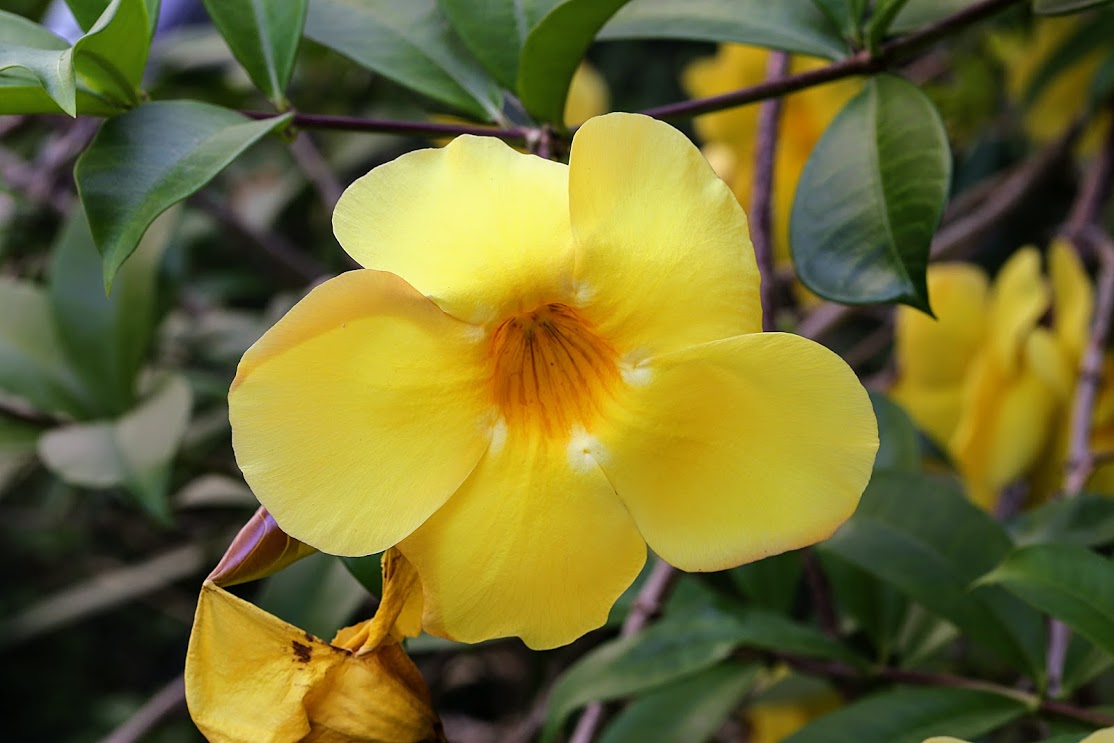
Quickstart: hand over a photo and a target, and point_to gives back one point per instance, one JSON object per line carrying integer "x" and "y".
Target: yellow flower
{"x": 250, "y": 677}
{"x": 986, "y": 381}
{"x": 588, "y": 96}
{"x": 731, "y": 136}
{"x": 1063, "y": 98}
{"x": 543, "y": 369}
{"x": 1106, "y": 735}
{"x": 771, "y": 722}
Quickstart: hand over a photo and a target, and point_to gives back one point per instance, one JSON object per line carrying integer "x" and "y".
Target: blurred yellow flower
{"x": 544, "y": 368}
{"x": 986, "y": 381}
{"x": 772, "y": 722}
{"x": 588, "y": 96}
{"x": 1106, "y": 735}
{"x": 731, "y": 136}
{"x": 1064, "y": 97}
{"x": 252, "y": 678}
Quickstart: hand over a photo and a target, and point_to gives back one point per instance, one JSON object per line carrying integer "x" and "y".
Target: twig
{"x": 981, "y": 216}
{"x": 821, "y": 594}
{"x": 1081, "y": 229}
{"x": 862, "y": 63}
{"x": 294, "y": 265}
{"x": 317, "y": 170}
{"x": 648, "y": 603}
{"x": 835, "y": 669}
{"x": 429, "y": 129}
{"x": 146, "y": 718}
{"x": 761, "y": 205}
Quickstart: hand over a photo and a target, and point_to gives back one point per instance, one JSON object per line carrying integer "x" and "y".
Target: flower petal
{"x": 1019, "y": 298}
{"x": 935, "y": 409}
{"x": 738, "y": 449}
{"x": 360, "y": 412}
{"x": 535, "y": 544}
{"x": 252, "y": 677}
{"x": 1073, "y": 299}
{"x": 479, "y": 228}
{"x": 663, "y": 256}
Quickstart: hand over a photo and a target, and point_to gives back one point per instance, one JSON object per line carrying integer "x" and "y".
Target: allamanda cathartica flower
{"x": 543, "y": 369}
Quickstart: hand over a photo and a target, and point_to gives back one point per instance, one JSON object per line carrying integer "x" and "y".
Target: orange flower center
{"x": 552, "y": 370}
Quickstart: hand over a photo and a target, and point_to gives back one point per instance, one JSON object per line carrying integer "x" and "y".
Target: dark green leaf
{"x": 1063, "y": 7}
{"x": 86, "y": 12}
{"x": 1086, "y": 520}
{"x": 917, "y": 13}
{"x": 412, "y": 44}
{"x": 912, "y": 715}
{"x": 667, "y": 651}
{"x": 841, "y": 14}
{"x": 50, "y": 59}
{"x": 771, "y": 583}
{"x": 1071, "y": 583}
{"x": 926, "y": 539}
{"x": 263, "y": 36}
{"x": 870, "y": 197}
{"x": 877, "y": 607}
{"x": 898, "y": 445}
{"x": 33, "y": 365}
{"x": 885, "y": 12}
{"x": 134, "y": 451}
{"x": 495, "y": 30}
{"x": 142, "y": 163}
{"x": 1083, "y": 663}
{"x": 691, "y": 709}
{"x": 552, "y": 52}
{"x": 315, "y": 594}
{"x": 768, "y": 630}
{"x": 792, "y": 25}
{"x": 368, "y": 571}
{"x": 106, "y": 338}
{"x": 110, "y": 58}
{"x": 18, "y": 442}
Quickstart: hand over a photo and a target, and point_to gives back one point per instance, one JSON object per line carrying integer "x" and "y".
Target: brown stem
{"x": 648, "y": 603}
{"x": 317, "y": 170}
{"x": 821, "y": 594}
{"x": 430, "y": 129}
{"x": 862, "y": 63}
{"x": 761, "y": 205}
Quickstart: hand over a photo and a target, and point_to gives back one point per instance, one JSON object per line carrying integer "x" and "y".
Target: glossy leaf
{"x": 552, "y": 52}
{"x": 792, "y": 25}
{"x": 495, "y": 30}
{"x": 691, "y": 709}
{"x": 917, "y": 13}
{"x": 264, "y": 36}
{"x": 926, "y": 539}
{"x": 773, "y": 582}
{"x": 885, "y": 13}
{"x": 134, "y": 451}
{"x": 898, "y": 445}
{"x": 875, "y": 606}
{"x": 110, "y": 58}
{"x": 1071, "y": 583}
{"x": 410, "y": 43}
{"x": 1063, "y": 7}
{"x": 106, "y": 338}
{"x": 841, "y": 14}
{"x": 667, "y": 651}
{"x": 870, "y": 197}
{"x": 33, "y": 364}
{"x": 1086, "y": 520}
{"x": 142, "y": 163}
{"x": 49, "y": 58}
{"x": 912, "y": 715}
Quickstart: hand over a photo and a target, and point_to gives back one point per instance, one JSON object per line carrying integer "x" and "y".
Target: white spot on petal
{"x": 585, "y": 452}
{"x": 498, "y": 437}
{"x": 636, "y": 375}
{"x": 584, "y": 293}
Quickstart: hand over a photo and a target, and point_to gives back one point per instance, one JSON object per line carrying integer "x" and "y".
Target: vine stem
{"x": 648, "y": 603}
{"x": 761, "y": 205}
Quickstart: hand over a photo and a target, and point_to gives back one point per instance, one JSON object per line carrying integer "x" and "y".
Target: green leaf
{"x": 691, "y": 709}
{"x": 772, "y": 582}
{"x": 33, "y": 365}
{"x": 412, "y": 44}
{"x": 846, "y": 15}
{"x": 885, "y": 12}
{"x": 791, "y": 25}
{"x": 927, "y": 540}
{"x": 110, "y": 58}
{"x": 769, "y": 630}
{"x": 495, "y": 30}
{"x": 49, "y": 58}
{"x": 668, "y": 650}
{"x": 315, "y": 594}
{"x": 18, "y": 442}
{"x": 1086, "y": 520}
{"x": 899, "y": 447}
{"x": 142, "y": 163}
{"x": 553, "y": 51}
{"x": 877, "y": 607}
{"x": 912, "y": 715}
{"x": 917, "y": 13}
{"x": 1071, "y": 583}
{"x": 263, "y": 36}
{"x": 1063, "y": 7}
{"x": 134, "y": 451}
{"x": 86, "y": 12}
{"x": 106, "y": 338}
{"x": 368, "y": 571}
{"x": 870, "y": 197}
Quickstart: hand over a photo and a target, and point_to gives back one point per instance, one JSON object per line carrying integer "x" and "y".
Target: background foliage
{"x": 203, "y": 203}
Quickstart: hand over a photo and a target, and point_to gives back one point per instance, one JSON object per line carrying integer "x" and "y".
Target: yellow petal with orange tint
{"x": 663, "y": 255}
{"x": 479, "y": 228}
{"x": 739, "y": 449}
{"x": 535, "y": 544}
{"x": 252, "y": 678}
{"x": 360, "y": 412}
